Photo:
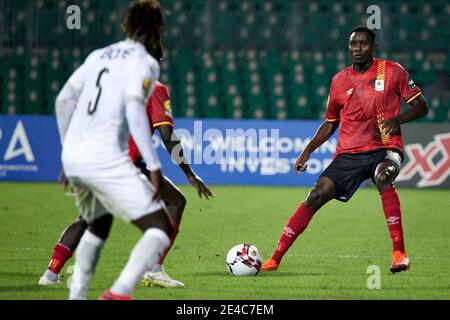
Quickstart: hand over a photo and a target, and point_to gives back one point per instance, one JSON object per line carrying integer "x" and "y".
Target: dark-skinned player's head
{"x": 361, "y": 45}
{"x": 145, "y": 22}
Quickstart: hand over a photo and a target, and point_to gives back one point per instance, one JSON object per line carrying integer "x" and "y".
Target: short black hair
{"x": 371, "y": 33}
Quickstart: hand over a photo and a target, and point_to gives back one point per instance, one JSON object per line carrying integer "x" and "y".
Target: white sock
{"x": 145, "y": 254}
{"x": 86, "y": 258}
{"x": 156, "y": 268}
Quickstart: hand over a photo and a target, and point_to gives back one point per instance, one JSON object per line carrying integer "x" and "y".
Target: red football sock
{"x": 297, "y": 223}
{"x": 393, "y": 213}
{"x": 61, "y": 254}
{"x": 175, "y": 230}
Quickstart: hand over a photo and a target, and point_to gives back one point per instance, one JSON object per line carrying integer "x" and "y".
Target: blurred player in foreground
{"x": 97, "y": 109}
{"x": 364, "y": 102}
{"x": 160, "y": 116}
{"x": 159, "y": 111}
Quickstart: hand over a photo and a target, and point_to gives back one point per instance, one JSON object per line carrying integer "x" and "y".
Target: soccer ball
{"x": 244, "y": 260}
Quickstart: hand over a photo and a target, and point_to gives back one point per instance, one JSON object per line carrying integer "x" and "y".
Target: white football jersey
{"x": 97, "y": 137}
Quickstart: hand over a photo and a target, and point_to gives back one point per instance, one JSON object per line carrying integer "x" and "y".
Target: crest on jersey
{"x": 379, "y": 81}
{"x": 379, "y": 85}
{"x": 168, "y": 109}
{"x": 411, "y": 83}
{"x": 146, "y": 86}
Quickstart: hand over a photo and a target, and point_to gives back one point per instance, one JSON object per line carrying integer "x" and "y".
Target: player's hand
{"x": 300, "y": 163}
{"x": 390, "y": 126}
{"x": 200, "y": 186}
{"x": 157, "y": 180}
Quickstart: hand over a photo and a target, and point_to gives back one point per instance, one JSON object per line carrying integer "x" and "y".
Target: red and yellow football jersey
{"x": 159, "y": 112}
{"x": 361, "y": 102}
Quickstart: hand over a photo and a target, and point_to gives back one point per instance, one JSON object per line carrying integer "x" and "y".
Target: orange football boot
{"x": 108, "y": 295}
{"x": 270, "y": 265}
{"x": 400, "y": 262}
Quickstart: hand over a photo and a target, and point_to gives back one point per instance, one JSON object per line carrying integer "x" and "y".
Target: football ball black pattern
{"x": 244, "y": 260}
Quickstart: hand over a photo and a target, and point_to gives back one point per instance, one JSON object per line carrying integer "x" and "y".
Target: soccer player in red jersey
{"x": 160, "y": 115}
{"x": 364, "y": 102}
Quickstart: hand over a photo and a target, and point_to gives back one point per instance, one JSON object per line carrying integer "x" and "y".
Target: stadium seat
{"x": 235, "y": 106}
{"x": 210, "y": 88}
{"x": 267, "y": 58}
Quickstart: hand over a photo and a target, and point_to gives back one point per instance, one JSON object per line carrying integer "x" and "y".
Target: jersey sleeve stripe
{"x": 413, "y": 97}
{"x": 162, "y": 123}
{"x": 332, "y": 120}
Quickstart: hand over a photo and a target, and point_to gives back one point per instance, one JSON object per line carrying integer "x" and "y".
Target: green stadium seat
{"x": 212, "y": 104}
{"x": 188, "y": 83}
{"x": 235, "y": 106}
{"x": 4, "y": 84}
{"x": 33, "y": 94}
{"x": 275, "y": 79}
{"x": 282, "y": 54}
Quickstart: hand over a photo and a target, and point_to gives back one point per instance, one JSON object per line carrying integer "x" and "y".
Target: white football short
{"x": 127, "y": 196}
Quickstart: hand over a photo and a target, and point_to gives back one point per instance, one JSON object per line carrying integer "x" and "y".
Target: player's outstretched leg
{"x": 322, "y": 192}
{"x": 87, "y": 256}
{"x": 62, "y": 251}
{"x": 175, "y": 202}
{"x": 156, "y": 238}
{"x": 296, "y": 224}
{"x": 385, "y": 174}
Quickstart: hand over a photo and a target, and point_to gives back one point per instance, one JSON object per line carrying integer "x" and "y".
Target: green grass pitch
{"x": 328, "y": 261}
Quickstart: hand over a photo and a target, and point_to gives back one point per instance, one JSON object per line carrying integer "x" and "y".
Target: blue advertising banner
{"x": 224, "y": 152}
{"x": 249, "y": 152}
{"x": 29, "y": 148}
